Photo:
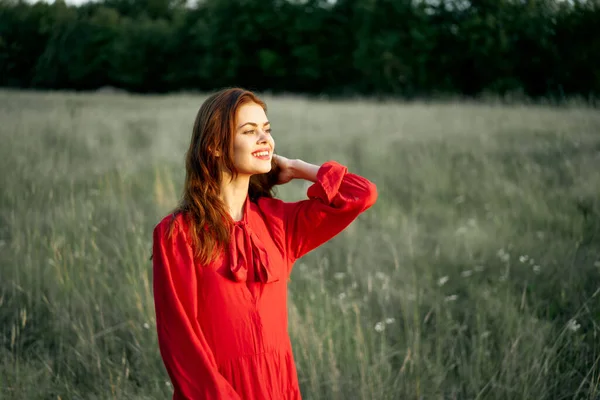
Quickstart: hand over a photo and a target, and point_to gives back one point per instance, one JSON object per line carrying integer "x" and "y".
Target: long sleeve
{"x": 186, "y": 354}
{"x": 334, "y": 201}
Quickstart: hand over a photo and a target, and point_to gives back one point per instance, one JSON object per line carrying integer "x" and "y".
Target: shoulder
{"x": 274, "y": 212}
{"x": 269, "y": 203}
{"x": 273, "y": 209}
{"x": 170, "y": 226}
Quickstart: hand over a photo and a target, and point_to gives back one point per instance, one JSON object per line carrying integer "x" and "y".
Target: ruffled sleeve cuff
{"x": 329, "y": 179}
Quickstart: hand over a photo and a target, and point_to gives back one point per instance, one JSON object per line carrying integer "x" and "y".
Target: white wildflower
{"x": 167, "y": 383}
{"x": 472, "y": 222}
{"x": 485, "y": 334}
{"x": 442, "y": 281}
{"x": 537, "y": 269}
{"x": 354, "y": 285}
{"x": 452, "y": 297}
{"x": 503, "y": 255}
{"x": 461, "y": 230}
{"x": 339, "y": 275}
{"x": 466, "y": 273}
{"x": 379, "y": 327}
{"x": 342, "y": 296}
{"x": 523, "y": 258}
{"x": 146, "y": 325}
{"x": 380, "y": 275}
{"x": 572, "y": 325}
{"x": 597, "y": 264}
{"x": 390, "y": 320}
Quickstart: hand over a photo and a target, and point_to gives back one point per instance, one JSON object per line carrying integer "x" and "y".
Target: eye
{"x": 269, "y": 131}
{"x": 247, "y": 132}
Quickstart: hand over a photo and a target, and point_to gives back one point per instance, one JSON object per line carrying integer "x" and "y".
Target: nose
{"x": 263, "y": 137}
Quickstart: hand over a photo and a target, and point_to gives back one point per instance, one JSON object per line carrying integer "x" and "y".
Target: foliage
{"x": 540, "y": 48}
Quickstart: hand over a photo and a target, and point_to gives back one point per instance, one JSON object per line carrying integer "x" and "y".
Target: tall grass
{"x": 475, "y": 276}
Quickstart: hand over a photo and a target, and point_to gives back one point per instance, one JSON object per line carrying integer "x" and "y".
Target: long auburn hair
{"x": 208, "y": 220}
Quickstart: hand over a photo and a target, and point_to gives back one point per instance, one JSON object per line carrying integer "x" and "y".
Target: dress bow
{"x": 247, "y": 251}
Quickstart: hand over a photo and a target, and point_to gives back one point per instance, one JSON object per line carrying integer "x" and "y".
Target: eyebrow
{"x": 253, "y": 124}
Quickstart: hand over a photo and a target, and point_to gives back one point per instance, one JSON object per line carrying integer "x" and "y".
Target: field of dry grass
{"x": 475, "y": 276}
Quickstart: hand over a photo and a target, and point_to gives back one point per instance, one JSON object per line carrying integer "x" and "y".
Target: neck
{"x": 234, "y": 193}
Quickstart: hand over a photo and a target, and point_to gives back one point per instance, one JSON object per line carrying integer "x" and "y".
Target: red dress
{"x": 222, "y": 328}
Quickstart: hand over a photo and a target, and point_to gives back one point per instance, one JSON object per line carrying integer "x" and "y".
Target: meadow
{"x": 476, "y": 275}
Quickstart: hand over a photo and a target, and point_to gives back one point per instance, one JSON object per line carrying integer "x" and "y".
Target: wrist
{"x": 303, "y": 170}
{"x": 295, "y": 169}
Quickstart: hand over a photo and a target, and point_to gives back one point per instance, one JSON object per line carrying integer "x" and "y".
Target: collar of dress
{"x": 246, "y": 251}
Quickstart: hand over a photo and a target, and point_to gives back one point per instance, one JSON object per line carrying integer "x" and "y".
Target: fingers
{"x": 279, "y": 160}
{"x": 278, "y": 157}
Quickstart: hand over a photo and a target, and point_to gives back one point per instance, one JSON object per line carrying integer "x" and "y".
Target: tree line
{"x": 407, "y": 48}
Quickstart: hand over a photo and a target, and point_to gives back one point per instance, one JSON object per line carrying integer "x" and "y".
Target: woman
{"x": 222, "y": 259}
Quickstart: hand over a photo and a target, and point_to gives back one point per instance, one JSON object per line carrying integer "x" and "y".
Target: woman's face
{"x": 253, "y": 144}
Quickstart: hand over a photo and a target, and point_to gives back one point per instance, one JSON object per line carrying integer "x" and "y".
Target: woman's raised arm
{"x": 335, "y": 199}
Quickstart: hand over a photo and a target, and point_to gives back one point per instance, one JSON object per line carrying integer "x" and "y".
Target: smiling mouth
{"x": 261, "y": 154}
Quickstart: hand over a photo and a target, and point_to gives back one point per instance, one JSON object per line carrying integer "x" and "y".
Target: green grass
{"x": 475, "y": 276}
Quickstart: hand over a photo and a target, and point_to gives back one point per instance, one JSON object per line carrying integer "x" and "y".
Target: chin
{"x": 256, "y": 171}
{"x": 264, "y": 170}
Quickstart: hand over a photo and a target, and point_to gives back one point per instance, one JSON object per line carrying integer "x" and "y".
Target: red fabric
{"x": 222, "y": 328}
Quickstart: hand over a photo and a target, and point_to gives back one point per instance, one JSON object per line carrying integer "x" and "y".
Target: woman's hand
{"x": 294, "y": 169}
{"x": 286, "y": 171}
